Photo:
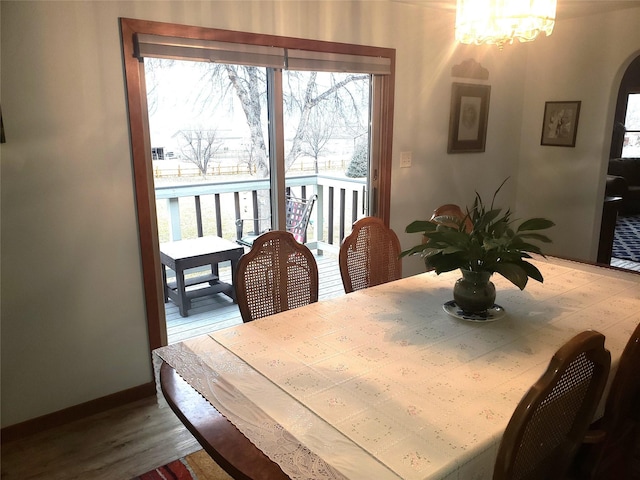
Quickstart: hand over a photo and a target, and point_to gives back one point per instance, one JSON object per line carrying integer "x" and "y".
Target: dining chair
{"x": 452, "y": 210}
{"x": 548, "y": 425}
{"x": 607, "y": 452}
{"x": 449, "y": 215}
{"x": 369, "y": 255}
{"x": 277, "y": 274}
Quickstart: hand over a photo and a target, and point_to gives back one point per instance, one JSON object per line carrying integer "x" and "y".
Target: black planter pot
{"x": 474, "y": 292}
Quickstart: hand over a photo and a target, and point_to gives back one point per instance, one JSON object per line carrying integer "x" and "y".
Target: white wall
{"x": 584, "y": 60}
{"x": 73, "y": 319}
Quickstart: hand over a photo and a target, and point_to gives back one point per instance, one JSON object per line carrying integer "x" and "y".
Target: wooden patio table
{"x": 185, "y": 254}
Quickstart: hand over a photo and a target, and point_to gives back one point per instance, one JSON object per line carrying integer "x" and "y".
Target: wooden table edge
{"x": 218, "y": 436}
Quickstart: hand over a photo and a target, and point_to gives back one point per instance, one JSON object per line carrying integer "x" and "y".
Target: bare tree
{"x": 312, "y": 97}
{"x": 198, "y": 147}
{"x": 151, "y": 68}
{"x": 319, "y": 131}
{"x": 306, "y": 95}
{"x": 247, "y": 157}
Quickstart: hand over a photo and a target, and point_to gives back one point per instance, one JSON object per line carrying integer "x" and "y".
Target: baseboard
{"x": 61, "y": 417}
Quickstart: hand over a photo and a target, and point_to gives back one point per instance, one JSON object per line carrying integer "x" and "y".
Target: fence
{"x": 170, "y": 169}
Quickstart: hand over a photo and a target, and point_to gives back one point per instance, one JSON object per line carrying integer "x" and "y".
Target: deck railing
{"x": 190, "y": 210}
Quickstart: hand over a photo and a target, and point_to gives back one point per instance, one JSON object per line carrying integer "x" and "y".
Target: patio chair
{"x": 369, "y": 255}
{"x": 276, "y": 275}
{"x": 548, "y": 425}
{"x": 608, "y": 449}
{"x": 297, "y": 220}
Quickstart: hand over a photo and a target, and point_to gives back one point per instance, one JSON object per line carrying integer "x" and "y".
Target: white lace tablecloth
{"x": 383, "y": 384}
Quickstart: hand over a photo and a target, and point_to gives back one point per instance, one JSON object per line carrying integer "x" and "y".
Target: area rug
{"x": 197, "y": 466}
{"x": 626, "y": 240}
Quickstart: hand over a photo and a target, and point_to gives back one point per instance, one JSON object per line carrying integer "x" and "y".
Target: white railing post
{"x": 320, "y": 214}
{"x": 175, "y": 233}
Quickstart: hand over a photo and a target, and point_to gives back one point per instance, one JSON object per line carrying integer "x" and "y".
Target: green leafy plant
{"x": 485, "y": 239}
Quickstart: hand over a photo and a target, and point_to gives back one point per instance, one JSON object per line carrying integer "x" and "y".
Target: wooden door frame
{"x": 141, "y": 145}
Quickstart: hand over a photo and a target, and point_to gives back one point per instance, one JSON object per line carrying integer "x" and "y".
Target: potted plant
{"x": 481, "y": 242}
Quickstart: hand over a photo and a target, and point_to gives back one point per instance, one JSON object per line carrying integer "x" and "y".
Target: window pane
{"x": 326, "y": 130}
{"x": 632, "y": 119}
{"x": 631, "y": 145}
{"x": 207, "y": 124}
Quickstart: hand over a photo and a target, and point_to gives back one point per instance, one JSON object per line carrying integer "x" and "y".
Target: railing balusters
{"x": 330, "y": 234}
{"x": 236, "y": 202}
{"x": 342, "y": 217}
{"x": 319, "y": 213}
{"x": 354, "y": 206}
{"x": 198, "y": 215}
{"x": 329, "y": 218}
{"x": 256, "y": 220}
{"x": 218, "y": 215}
{"x": 175, "y": 232}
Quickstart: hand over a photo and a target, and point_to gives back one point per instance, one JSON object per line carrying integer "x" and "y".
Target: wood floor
{"x": 115, "y": 445}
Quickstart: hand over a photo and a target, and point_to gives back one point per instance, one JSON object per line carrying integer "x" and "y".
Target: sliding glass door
{"x": 290, "y": 115}
{"x": 299, "y": 130}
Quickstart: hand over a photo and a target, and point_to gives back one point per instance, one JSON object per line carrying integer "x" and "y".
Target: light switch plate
{"x": 405, "y": 159}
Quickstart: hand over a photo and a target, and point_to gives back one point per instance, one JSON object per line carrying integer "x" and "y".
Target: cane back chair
{"x": 550, "y": 422}
{"x": 369, "y": 255}
{"x": 608, "y": 450}
{"x": 277, "y": 274}
{"x": 455, "y": 213}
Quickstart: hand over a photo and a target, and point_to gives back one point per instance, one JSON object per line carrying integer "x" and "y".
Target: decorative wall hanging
{"x": 468, "y": 118}
{"x": 560, "y": 123}
{"x": 470, "y": 69}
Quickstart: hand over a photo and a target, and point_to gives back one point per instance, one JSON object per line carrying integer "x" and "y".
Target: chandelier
{"x": 499, "y": 22}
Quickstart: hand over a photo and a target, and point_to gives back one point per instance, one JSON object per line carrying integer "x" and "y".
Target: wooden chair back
{"x": 455, "y": 212}
{"x": 369, "y": 255}
{"x": 276, "y": 275}
{"x": 549, "y": 423}
{"x": 609, "y": 448}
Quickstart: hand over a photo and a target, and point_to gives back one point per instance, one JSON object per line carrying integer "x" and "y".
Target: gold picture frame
{"x": 468, "y": 117}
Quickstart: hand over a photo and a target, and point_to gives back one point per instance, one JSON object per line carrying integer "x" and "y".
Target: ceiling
{"x": 566, "y": 8}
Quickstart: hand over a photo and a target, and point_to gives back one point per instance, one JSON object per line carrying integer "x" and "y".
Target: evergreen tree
{"x": 359, "y": 164}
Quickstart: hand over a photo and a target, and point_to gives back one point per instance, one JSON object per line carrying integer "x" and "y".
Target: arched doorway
{"x": 621, "y": 224}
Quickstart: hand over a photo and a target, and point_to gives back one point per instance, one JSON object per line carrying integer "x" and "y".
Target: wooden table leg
{"x": 182, "y": 292}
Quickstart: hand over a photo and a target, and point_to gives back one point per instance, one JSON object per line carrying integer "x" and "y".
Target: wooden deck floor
{"x": 215, "y": 312}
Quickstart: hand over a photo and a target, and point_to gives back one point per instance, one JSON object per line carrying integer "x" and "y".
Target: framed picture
{"x": 468, "y": 118}
{"x": 560, "y": 123}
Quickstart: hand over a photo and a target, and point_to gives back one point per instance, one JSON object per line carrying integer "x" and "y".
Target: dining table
{"x": 389, "y": 382}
